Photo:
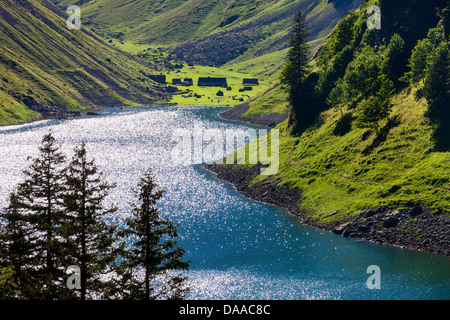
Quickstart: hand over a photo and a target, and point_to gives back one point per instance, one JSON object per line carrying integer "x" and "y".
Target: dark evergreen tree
{"x": 90, "y": 239}
{"x": 437, "y": 84}
{"x": 418, "y": 60}
{"x": 152, "y": 262}
{"x": 362, "y": 76}
{"x": 8, "y": 288}
{"x": 395, "y": 59}
{"x": 377, "y": 107}
{"x": 444, "y": 14}
{"x": 17, "y": 249}
{"x": 411, "y": 19}
{"x": 295, "y": 71}
{"x": 38, "y": 205}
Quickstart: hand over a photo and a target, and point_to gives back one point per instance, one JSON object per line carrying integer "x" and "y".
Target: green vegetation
{"x": 358, "y": 170}
{"x": 208, "y": 31}
{"x": 13, "y": 111}
{"x": 199, "y": 95}
{"x": 31, "y": 245}
{"x": 239, "y": 38}
{"x": 56, "y": 222}
{"x": 378, "y": 141}
{"x": 154, "y": 250}
{"x": 293, "y": 75}
{"x": 437, "y": 85}
{"x": 377, "y": 107}
{"x": 91, "y": 240}
{"x": 47, "y": 70}
{"x": 8, "y": 289}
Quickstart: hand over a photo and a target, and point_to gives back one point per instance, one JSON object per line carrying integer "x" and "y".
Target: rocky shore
{"x": 414, "y": 228}
{"x": 49, "y": 112}
{"x": 268, "y": 120}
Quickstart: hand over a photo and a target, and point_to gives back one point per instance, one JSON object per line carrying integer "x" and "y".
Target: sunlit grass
{"x": 338, "y": 173}
{"x": 209, "y": 94}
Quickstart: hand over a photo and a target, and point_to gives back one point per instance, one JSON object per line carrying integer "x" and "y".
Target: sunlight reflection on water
{"x": 240, "y": 249}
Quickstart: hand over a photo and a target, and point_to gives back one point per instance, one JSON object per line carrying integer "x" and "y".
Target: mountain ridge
{"x": 49, "y": 71}
{"x": 204, "y": 32}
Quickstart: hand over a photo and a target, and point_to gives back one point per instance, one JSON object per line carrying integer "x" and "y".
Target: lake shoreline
{"x": 240, "y": 248}
{"x": 269, "y": 120}
{"x": 413, "y": 228}
{"x": 58, "y": 115}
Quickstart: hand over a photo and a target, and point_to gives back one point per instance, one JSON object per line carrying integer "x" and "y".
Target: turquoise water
{"x": 240, "y": 249}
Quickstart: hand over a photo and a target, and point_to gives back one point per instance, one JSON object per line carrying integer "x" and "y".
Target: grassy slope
{"x": 42, "y": 59}
{"x": 209, "y": 97}
{"x": 348, "y": 179}
{"x": 262, "y": 98}
{"x": 134, "y": 25}
{"x": 337, "y": 175}
{"x": 163, "y": 64}
{"x": 346, "y": 174}
{"x": 267, "y": 67}
{"x": 175, "y": 22}
{"x": 172, "y": 21}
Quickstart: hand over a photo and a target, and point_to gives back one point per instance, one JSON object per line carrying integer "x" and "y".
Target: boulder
{"x": 367, "y": 213}
{"x": 416, "y": 210}
{"x": 390, "y": 221}
{"x": 340, "y": 229}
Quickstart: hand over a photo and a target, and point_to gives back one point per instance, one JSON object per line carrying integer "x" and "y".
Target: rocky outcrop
{"x": 412, "y": 228}
{"x": 49, "y": 111}
{"x": 269, "y": 120}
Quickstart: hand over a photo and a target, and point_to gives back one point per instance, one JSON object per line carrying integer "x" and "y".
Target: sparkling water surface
{"x": 239, "y": 248}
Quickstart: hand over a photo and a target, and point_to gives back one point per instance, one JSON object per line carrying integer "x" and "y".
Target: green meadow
{"x": 208, "y": 95}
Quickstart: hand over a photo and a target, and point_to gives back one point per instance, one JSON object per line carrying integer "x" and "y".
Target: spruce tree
{"x": 377, "y": 107}
{"x": 8, "y": 288}
{"x": 437, "y": 84}
{"x": 38, "y": 204}
{"x": 90, "y": 239}
{"x": 152, "y": 262}
{"x": 17, "y": 249}
{"x": 395, "y": 59}
{"x": 295, "y": 70}
{"x": 418, "y": 60}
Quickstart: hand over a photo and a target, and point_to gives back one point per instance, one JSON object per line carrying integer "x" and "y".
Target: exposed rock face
{"x": 268, "y": 120}
{"x": 413, "y": 228}
{"x": 49, "y": 111}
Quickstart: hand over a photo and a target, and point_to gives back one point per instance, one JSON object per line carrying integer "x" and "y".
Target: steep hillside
{"x": 374, "y": 163}
{"x": 47, "y": 70}
{"x": 211, "y": 32}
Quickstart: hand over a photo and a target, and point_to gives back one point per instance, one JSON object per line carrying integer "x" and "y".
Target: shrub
{"x": 377, "y": 107}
